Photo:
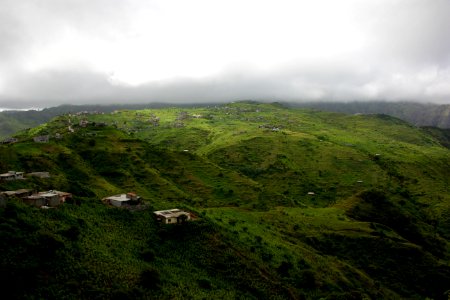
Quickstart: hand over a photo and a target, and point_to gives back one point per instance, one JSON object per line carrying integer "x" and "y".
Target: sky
{"x": 56, "y": 52}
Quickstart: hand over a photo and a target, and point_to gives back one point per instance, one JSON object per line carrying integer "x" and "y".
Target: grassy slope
{"x": 260, "y": 230}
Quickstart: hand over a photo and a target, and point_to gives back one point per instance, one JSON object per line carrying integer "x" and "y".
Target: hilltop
{"x": 292, "y": 203}
{"x": 415, "y": 113}
{"x": 419, "y": 114}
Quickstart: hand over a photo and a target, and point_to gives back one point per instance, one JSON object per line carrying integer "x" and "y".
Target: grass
{"x": 261, "y": 234}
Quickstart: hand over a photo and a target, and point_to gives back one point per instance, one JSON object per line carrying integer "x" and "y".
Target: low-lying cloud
{"x": 105, "y": 52}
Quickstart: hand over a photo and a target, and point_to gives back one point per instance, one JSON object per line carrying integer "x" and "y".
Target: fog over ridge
{"x": 136, "y": 51}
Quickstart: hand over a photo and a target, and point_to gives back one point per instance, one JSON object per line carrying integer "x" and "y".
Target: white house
{"x": 172, "y": 216}
{"x": 122, "y": 199}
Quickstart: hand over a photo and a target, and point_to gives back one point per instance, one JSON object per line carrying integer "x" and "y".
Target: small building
{"x": 41, "y": 139}
{"x": 4, "y": 196}
{"x": 172, "y": 216}
{"x": 11, "y": 175}
{"x": 84, "y": 123}
{"x": 123, "y": 199}
{"x": 50, "y": 198}
{"x": 35, "y": 200}
{"x": 19, "y": 193}
{"x": 39, "y": 174}
{"x": 10, "y": 141}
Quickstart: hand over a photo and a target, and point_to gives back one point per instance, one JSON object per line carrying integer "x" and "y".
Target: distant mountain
{"x": 415, "y": 113}
{"x": 291, "y": 204}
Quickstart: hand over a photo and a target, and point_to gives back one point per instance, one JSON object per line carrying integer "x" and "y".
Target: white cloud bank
{"x": 102, "y": 51}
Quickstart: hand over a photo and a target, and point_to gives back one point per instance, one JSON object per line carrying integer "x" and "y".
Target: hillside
{"x": 415, "y": 113}
{"x": 291, "y": 204}
{"x": 12, "y": 121}
{"x": 419, "y": 114}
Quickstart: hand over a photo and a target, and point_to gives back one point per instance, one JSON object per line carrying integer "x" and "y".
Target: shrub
{"x": 148, "y": 255}
{"x": 284, "y": 268}
{"x": 150, "y": 279}
{"x": 204, "y": 283}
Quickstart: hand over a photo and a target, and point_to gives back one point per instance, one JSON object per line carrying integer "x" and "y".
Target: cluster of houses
{"x": 171, "y": 216}
{"x": 14, "y": 175}
{"x": 52, "y": 198}
{"x": 36, "y": 139}
{"x": 45, "y": 199}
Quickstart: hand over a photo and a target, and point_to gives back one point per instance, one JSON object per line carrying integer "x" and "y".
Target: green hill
{"x": 415, "y": 113}
{"x": 292, "y": 203}
{"x": 419, "y": 114}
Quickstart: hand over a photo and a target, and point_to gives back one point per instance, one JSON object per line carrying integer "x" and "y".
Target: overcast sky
{"x": 117, "y": 51}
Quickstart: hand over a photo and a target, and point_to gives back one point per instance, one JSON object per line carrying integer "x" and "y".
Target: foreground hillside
{"x": 291, "y": 204}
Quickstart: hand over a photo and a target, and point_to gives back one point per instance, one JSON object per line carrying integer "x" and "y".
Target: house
{"x": 4, "y": 196}
{"x": 50, "y": 198}
{"x": 19, "y": 193}
{"x": 11, "y": 175}
{"x": 35, "y": 200}
{"x": 10, "y": 141}
{"x": 41, "y": 139}
{"x": 39, "y": 174}
{"x": 84, "y": 123}
{"x": 123, "y": 199}
{"x": 172, "y": 216}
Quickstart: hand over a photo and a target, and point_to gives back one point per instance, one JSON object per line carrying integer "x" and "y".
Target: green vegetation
{"x": 418, "y": 114}
{"x": 292, "y": 204}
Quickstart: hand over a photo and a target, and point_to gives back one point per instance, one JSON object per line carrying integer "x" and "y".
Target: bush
{"x": 284, "y": 268}
{"x": 374, "y": 197}
{"x": 148, "y": 255}
{"x": 204, "y": 284}
{"x": 150, "y": 279}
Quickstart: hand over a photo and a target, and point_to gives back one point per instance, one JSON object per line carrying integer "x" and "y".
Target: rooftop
{"x": 121, "y": 197}
{"x": 171, "y": 213}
